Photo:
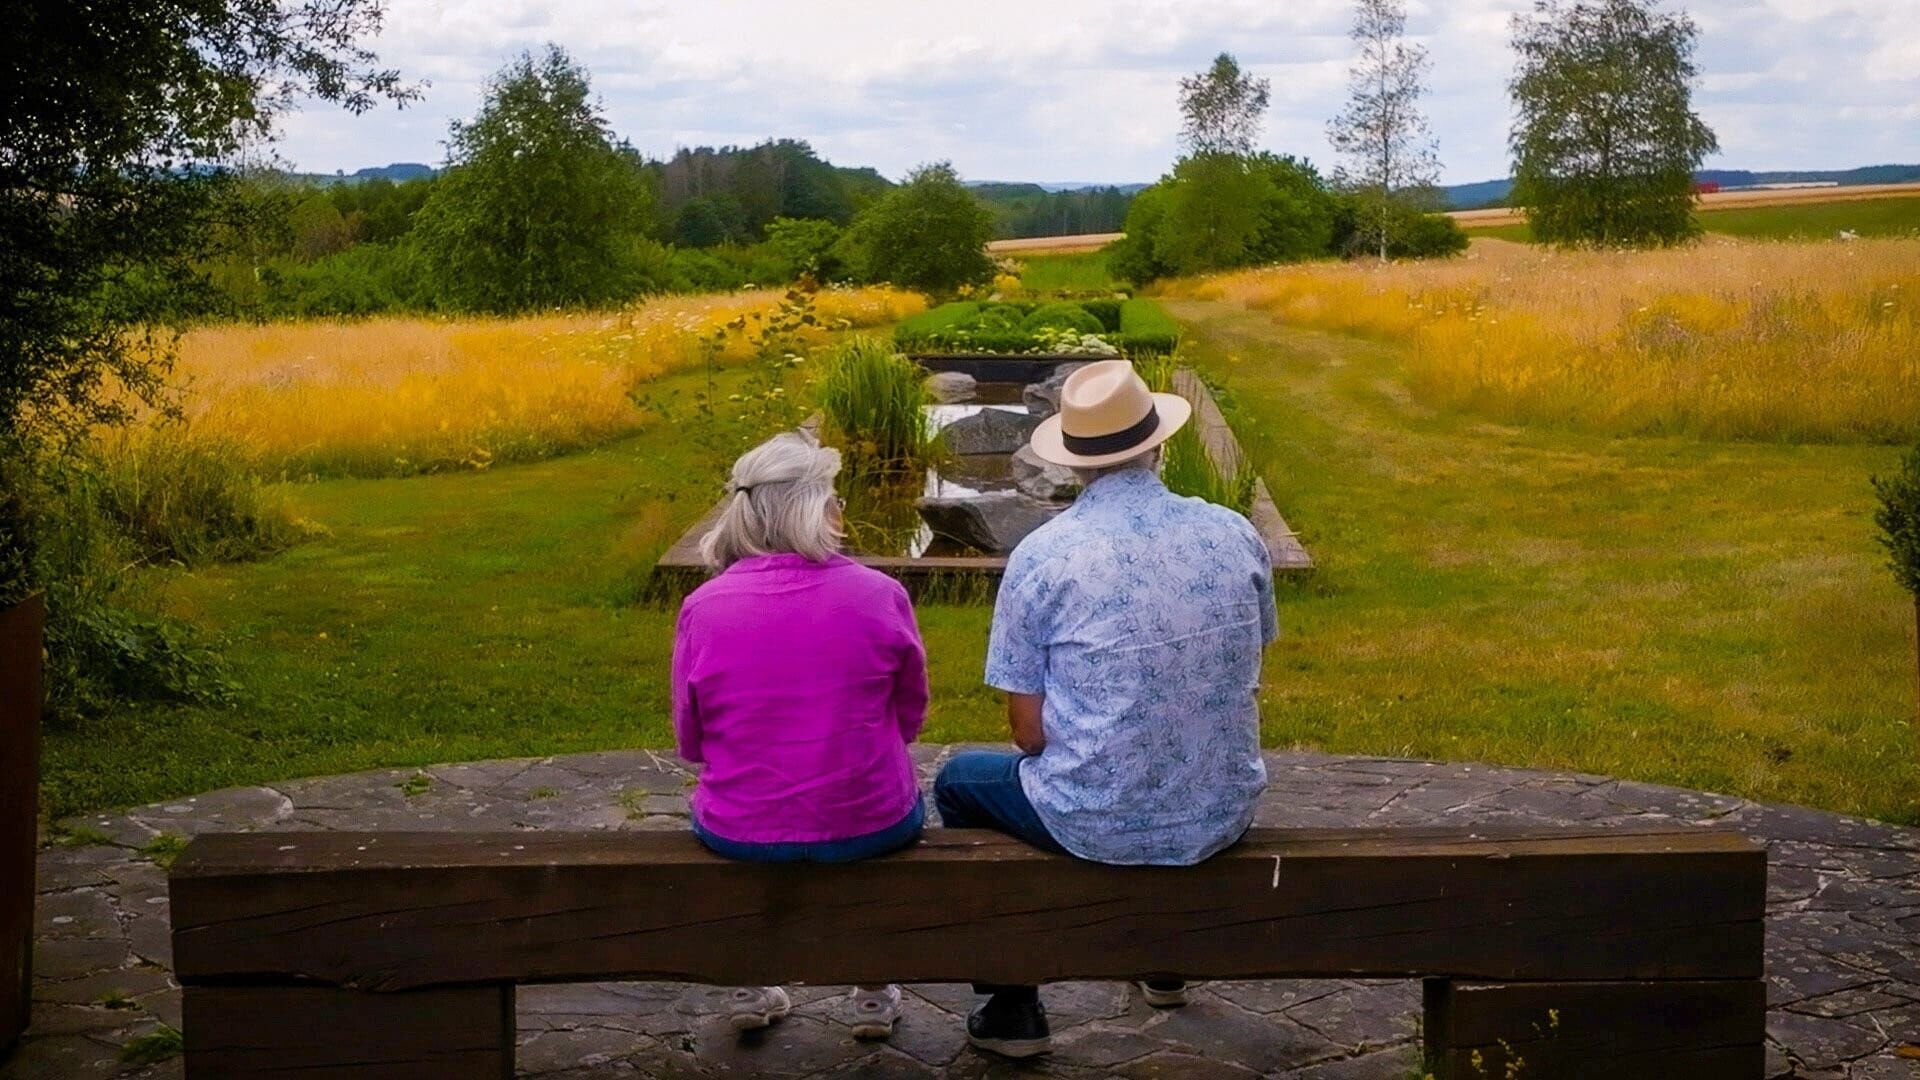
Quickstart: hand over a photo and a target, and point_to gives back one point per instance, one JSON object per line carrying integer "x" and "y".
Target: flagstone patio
{"x": 1843, "y": 933}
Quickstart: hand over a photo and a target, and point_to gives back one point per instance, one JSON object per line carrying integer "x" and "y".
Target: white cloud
{"x": 1084, "y": 89}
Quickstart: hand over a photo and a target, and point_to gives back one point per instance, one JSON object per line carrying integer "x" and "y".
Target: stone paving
{"x": 1843, "y": 941}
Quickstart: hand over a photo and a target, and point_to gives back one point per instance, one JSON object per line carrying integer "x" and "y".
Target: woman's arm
{"x": 910, "y": 691}
{"x": 686, "y": 708}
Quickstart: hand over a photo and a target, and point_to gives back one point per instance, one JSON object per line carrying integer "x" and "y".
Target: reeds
{"x": 874, "y": 400}
{"x": 1188, "y": 469}
{"x": 1755, "y": 340}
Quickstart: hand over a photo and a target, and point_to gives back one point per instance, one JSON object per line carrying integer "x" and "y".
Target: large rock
{"x": 952, "y": 387}
{"x": 989, "y": 431}
{"x": 1043, "y": 398}
{"x": 992, "y": 521}
{"x": 1043, "y": 479}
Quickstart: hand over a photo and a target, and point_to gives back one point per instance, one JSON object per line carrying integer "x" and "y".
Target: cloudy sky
{"x": 1072, "y": 90}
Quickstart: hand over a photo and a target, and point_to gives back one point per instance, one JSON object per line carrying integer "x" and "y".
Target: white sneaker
{"x": 874, "y": 1012}
{"x": 750, "y": 1008}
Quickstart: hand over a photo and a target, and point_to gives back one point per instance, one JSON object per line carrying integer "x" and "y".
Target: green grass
{"x": 1802, "y": 221}
{"x": 1708, "y": 614}
{"x": 1084, "y": 271}
{"x": 450, "y": 617}
{"x": 1819, "y": 221}
{"x": 1714, "y": 615}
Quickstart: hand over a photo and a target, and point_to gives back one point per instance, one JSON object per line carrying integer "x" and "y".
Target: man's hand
{"x": 1023, "y": 716}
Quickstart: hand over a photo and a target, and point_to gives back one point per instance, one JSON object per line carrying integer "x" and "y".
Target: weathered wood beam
{"x": 321, "y": 1033}
{"x": 395, "y": 911}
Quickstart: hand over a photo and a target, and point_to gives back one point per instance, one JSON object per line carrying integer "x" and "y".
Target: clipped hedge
{"x": 1063, "y": 315}
{"x": 1136, "y": 326}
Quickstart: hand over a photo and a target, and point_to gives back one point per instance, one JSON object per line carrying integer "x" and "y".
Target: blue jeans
{"x": 852, "y": 849}
{"x": 980, "y": 789}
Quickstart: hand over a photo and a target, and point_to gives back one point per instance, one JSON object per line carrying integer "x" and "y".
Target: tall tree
{"x": 1222, "y": 109}
{"x": 1381, "y": 132}
{"x": 115, "y": 116}
{"x": 539, "y": 207}
{"x": 929, "y": 233}
{"x": 1605, "y": 140}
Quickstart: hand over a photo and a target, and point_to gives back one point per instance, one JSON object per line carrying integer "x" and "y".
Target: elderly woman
{"x": 798, "y": 679}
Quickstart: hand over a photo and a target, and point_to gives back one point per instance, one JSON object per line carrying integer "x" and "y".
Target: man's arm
{"x": 1023, "y": 717}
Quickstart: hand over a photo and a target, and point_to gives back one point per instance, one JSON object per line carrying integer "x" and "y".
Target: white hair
{"x": 777, "y": 503}
{"x": 1150, "y": 461}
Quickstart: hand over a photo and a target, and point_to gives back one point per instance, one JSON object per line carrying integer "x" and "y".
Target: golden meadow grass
{"x": 392, "y": 396}
{"x": 1791, "y": 341}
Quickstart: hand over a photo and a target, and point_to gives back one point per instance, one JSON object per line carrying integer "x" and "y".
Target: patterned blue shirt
{"x": 1140, "y": 615}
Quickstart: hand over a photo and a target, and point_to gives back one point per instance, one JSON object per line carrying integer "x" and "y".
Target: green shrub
{"x": 1412, "y": 234}
{"x": 184, "y": 500}
{"x": 1062, "y": 315}
{"x": 873, "y": 399}
{"x": 1134, "y": 326}
{"x": 1000, "y": 318}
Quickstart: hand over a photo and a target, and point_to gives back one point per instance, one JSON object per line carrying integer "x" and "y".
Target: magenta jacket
{"x": 799, "y": 685}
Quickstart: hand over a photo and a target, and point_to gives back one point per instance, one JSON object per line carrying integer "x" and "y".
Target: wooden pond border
{"x": 681, "y": 568}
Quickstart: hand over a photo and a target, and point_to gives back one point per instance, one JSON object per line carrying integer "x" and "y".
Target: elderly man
{"x": 1127, "y": 637}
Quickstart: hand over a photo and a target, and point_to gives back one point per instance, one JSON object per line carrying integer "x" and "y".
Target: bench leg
{"x": 1681, "y": 1030}
{"x": 317, "y": 1033}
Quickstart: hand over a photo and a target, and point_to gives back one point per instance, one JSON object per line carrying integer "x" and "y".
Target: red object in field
{"x": 1705, "y": 187}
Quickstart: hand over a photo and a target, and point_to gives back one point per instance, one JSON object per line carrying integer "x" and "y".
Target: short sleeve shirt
{"x": 1141, "y": 616}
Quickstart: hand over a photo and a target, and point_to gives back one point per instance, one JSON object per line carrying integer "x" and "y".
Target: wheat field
{"x": 1727, "y": 339}
{"x": 393, "y": 396}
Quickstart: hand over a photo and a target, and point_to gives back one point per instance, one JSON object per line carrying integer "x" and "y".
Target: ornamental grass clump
{"x": 874, "y": 400}
{"x": 1187, "y": 469}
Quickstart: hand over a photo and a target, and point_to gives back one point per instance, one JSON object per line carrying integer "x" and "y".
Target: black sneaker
{"x": 1010, "y": 1029}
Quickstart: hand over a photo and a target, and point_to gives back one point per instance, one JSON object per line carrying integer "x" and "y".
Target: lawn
{"x": 1896, "y": 216}
{"x": 1665, "y": 609}
{"x": 1084, "y": 271}
{"x": 1710, "y": 614}
{"x": 448, "y": 617}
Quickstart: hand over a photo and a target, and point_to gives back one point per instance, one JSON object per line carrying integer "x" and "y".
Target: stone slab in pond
{"x": 1042, "y": 398}
{"x": 952, "y": 387}
{"x": 993, "y": 521}
{"x": 989, "y": 431}
{"x": 1043, "y": 479}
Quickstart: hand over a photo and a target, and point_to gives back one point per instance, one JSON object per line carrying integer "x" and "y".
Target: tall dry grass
{"x": 1790, "y": 341}
{"x": 393, "y": 396}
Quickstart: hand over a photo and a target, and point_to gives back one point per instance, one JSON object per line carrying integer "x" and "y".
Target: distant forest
{"x": 711, "y": 196}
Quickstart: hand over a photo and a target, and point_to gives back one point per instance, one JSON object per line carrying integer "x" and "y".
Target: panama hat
{"x": 1106, "y": 416}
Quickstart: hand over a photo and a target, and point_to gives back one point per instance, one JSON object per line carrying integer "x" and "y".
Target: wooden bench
{"x": 1586, "y": 953}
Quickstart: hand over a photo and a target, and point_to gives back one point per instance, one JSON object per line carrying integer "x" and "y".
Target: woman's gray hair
{"x": 777, "y": 503}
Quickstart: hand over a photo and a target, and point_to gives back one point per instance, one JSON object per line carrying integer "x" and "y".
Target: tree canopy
{"x": 539, "y": 207}
{"x": 1222, "y": 108}
{"x": 929, "y": 233}
{"x": 113, "y": 115}
{"x": 1605, "y": 140}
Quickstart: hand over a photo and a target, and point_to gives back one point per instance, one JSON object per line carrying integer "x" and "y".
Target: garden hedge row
{"x": 1136, "y": 326}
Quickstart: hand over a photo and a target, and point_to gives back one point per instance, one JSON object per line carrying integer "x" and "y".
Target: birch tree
{"x": 1381, "y": 134}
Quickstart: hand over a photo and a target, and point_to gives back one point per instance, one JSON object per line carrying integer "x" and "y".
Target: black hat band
{"x": 1100, "y": 445}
